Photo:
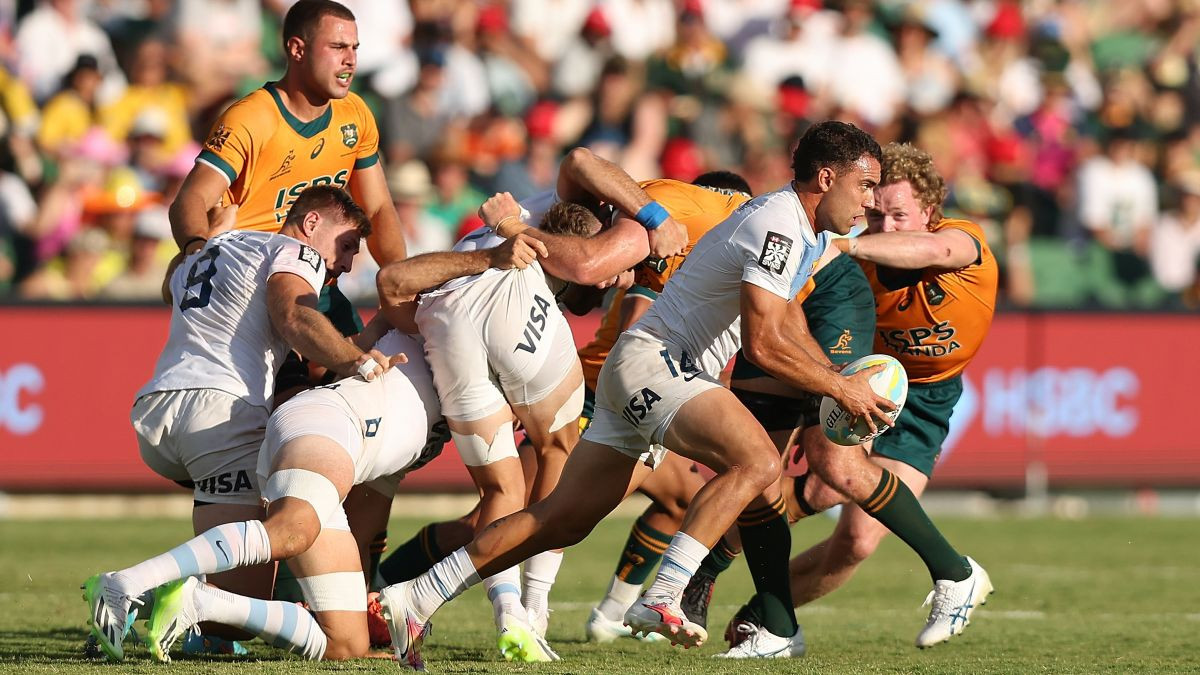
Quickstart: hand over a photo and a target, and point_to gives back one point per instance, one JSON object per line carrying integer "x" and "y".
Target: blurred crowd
{"x": 1070, "y": 129}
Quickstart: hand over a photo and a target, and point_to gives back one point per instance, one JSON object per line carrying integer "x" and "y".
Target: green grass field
{"x": 1090, "y": 596}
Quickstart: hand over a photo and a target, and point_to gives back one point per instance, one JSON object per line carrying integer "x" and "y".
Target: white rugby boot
{"x": 407, "y": 632}
{"x": 663, "y": 615}
{"x": 953, "y": 602}
{"x": 760, "y": 643}
{"x": 111, "y": 613}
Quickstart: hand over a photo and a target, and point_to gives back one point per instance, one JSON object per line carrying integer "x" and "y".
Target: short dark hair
{"x": 724, "y": 181}
{"x": 332, "y": 202}
{"x": 833, "y": 144}
{"x": 569, "y": 219}
{"x": 303, "y": 18}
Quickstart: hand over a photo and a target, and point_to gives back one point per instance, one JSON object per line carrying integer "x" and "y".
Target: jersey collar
{"x": 305, "y": 129}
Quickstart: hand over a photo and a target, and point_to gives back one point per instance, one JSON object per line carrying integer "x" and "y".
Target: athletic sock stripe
{"x": 727, "y": 550}
{"x": 641, "y": 526}
{"x": 779, "y": 507}
{"x": 655, "y": 546}
{"x": 755, "y": 515}
{"x": 884, "y": 482}
{"x": 766, "y": 518}
{"x": 423, "y": 538}
{"x": 884, "y": 496}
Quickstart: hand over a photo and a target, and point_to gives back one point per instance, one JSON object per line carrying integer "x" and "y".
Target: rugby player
{"x": 934, "y": 280}
{"x": 500, "y": 347}
{"x": 659, "y": 387}
{"x": 317, "y": 446}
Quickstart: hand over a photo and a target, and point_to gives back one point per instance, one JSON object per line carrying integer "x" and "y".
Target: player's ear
{"x": 311, "y": 220}
{"x": 825, "y": 177}
{"x": 295, "y": 47}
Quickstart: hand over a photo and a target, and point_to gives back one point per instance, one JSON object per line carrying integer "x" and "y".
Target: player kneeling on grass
{"x": 318, "y": 446}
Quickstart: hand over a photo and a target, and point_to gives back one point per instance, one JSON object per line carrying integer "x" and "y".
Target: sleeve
{"x": 230, "y": 144}
{"x": 973, "y": 231}
{"x": 368, "y": 142}
{"x": 770, "y": 258}
{"x": 300, "y": 259}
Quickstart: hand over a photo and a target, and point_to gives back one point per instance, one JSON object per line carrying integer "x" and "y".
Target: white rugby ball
{"x": 891, "y": 383}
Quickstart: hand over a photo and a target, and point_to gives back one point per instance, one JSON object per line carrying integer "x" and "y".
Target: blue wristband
{"x": 652, "y": 215}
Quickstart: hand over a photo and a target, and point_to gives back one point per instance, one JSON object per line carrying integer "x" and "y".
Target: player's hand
{"x": 858, "y": 399}
{"x": 623, "y": 281}
{"x": 221, "y": 219}
{"x": 502, "y": 213}
{"x": 667, "y": 239}
{"x": 517, "y": 253}
{"x": 373, "y": 364}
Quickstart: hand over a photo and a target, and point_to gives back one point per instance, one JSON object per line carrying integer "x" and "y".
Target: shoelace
{"x": 938, "y": 597}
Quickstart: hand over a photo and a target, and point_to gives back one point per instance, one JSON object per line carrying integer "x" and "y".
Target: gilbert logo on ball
{"x": 891, "y": 383}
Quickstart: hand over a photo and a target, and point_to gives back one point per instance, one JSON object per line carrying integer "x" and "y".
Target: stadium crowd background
{"x": 1070, "y": 129}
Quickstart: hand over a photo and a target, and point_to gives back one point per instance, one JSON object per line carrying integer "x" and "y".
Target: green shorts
{"x": 339, "y": 310}
{"x": 922, "y": 426}
{"x": 841, "y": 317}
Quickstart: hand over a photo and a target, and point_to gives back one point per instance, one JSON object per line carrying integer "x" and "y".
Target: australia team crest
{"x": 350, "y": 135}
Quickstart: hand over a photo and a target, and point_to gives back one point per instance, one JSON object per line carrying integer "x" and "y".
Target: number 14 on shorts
{"x": 686, "y": 366}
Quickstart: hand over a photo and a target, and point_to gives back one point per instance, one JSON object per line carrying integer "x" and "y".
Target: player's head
{"x": 327, "y": 219}
{"x": 841, "y": 162}
{"x": 723, "y": 181}
{"x": 910, "y": 192}
{"x": 320, "y": 40}
{"x": 573, "y": 220}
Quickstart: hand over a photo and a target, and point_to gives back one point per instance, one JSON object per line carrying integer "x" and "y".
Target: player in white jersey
{"x": 318, "y": 445}
{"x": 500, "y": 347}
{"x": 659, "y": 386}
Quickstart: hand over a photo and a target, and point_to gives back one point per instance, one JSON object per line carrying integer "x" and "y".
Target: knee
{"x": 762, "y": 471}
{"x": 560, "y": 526}
{"x": 821, "y": 497}
{"x": 854, "y": 547}
{"x": 290, "y": 537}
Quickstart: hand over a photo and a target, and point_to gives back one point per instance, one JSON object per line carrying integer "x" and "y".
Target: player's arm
{"x": 948, "y": 248}
{"x": 586, "y": 261}
{"x": 401, "y": 281}
{"x": 764, "y": 317}
{"x": 369, "y": 189}
{"x": 635, "y": 303}
{"x": 797, "y": 330}
{"x": 189, "y": 212}
{"x": 583, "y": 178}
{"x": 292, "y": 306}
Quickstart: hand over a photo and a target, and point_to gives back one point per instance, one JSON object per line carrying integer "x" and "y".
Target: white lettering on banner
{"x": 1056, "y": 401}
{"x": 21, "y": 377}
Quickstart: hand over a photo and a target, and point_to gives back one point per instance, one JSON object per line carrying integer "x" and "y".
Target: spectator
{"x": 1175, "y": 245}
{"x": 61, "y": 23}
{"x": 412, "y": 191}
{"x": 72, "y": 277}
{"x": 416, "y": 121}
{"x": 514, "y": 74}
{"x": 865, "y": 77}
{"x": 578, "y": 71}
{"x": 220, "y": 40}
{"x": 143, "y": 276}
{"x": 1118, "y": 205}
{"x": 150, "y": 93}
{"x": 72, "y": 111}
{"x": 547, "y": 27}
{"x": 642, "y": 27}
{"x": 453, "y": 197}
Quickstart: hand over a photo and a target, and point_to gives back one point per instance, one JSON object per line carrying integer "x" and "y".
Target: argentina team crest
{"x": 310, "y": 256}
{"x": 775, "y": 252}
{"x": 350, "y": 135}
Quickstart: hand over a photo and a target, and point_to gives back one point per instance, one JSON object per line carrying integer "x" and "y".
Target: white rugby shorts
{"x": 644, "y": 382}
{"x": 206, "y": 436}
{"x": 499, "y": 339}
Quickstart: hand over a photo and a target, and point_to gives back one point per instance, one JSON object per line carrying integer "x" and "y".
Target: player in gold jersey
{"x": 934, "y": 281}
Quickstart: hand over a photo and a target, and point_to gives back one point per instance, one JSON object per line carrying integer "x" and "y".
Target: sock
{"x": 286, "y": 587}
{"x": 375, "y": 551}
{"x": 283, "y": 624}
{"x": 620, "y": 597}
{"x": 679, "y": 563}
{"x": 412, "y": 558}
{"x": 504, "y": 590}
{"x": 718, "y": 559}
{"x": 806, "y": 509}
{"x": 643, "y": 550}
{"x": 767, "y": 542}
{"x": 221, "y": 548}
{"x": 894, "y": 505}
{"x": 443, "y": 582}
{"x": 540, "y": 572}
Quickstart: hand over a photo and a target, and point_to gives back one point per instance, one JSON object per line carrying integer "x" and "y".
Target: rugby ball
{"x": 891, "y": 383}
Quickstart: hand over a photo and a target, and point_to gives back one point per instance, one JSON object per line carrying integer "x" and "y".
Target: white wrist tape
{"x": 367, "y": 367}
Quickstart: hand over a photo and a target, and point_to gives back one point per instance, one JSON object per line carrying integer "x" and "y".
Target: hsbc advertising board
{"x": 1093, "y": 399}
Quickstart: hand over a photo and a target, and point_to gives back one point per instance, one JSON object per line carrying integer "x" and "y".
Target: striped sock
{"x": 643, "y": 549}
{"x": 414, "y": 557}
{"x": 504, "y": 590}
{"x": 282, "y": 624}
{"x": 679, "y": 563}
{"x": 718, "y": 559}
{"x": 802, "y": 504}
{"x": 446, "y": 580}
{"x": 894, "y": 505}
{"x": 221, "y": 548}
